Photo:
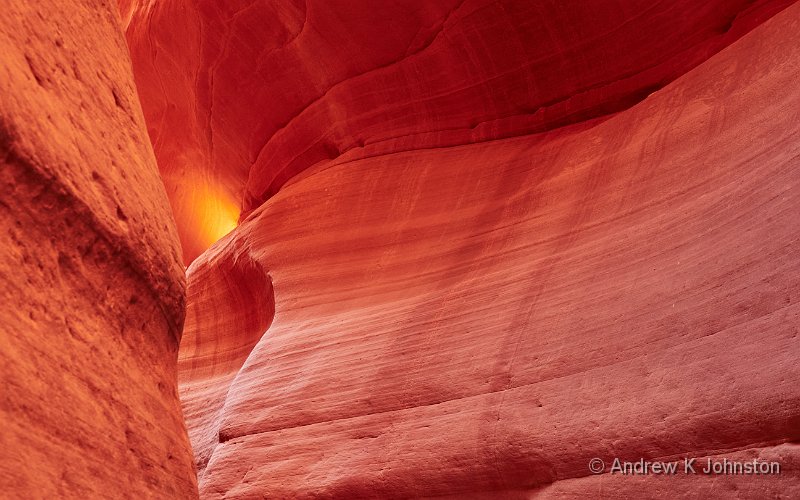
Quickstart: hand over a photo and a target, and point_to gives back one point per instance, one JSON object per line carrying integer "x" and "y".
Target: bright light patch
{"x": 215, "y": 212}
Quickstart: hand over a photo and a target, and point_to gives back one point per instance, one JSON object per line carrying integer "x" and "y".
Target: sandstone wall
{"x": 241, "y": 96}
{"x": 91, "y": 283}
{"x": 487, "y": 317}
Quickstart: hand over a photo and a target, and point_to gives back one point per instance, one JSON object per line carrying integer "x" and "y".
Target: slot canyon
{"x": 339, "y": 249}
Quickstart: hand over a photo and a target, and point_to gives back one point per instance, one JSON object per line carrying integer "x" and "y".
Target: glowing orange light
{"x": 204, "y": 212}
{"x": 215, "y": 212}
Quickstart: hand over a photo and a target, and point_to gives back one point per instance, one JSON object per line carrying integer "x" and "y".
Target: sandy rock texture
{"x": 482, "y": 313}
{"x": 91, "y": 282}
{"x": 241, "y": 96}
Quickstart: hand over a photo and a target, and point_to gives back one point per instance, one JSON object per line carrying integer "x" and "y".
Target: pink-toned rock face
{"x": 482, "y": 242}
{"x": 91, "y": 281}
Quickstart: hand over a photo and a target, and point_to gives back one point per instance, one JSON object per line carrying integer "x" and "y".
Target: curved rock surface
{"x": 482, "y": 313}
{"x": 91, "y": 280}
{"x": 241, "y": 96}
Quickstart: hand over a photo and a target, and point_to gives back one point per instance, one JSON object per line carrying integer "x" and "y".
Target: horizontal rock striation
{"x": 242, "y": 96}
{"x": 235, "y": 294}
{"x": 483, "y": 319}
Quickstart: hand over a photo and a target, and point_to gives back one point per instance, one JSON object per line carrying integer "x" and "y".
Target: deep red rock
{"x": 418, "y": 318}
{"x": 241, "y": 96}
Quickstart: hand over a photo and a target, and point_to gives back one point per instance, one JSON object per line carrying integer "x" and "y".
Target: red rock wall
{"x": 468, "y": 262}
{"x": 241, "y": 96}
{"x": 91, "y": 282}
{"x": 482, "y": 319}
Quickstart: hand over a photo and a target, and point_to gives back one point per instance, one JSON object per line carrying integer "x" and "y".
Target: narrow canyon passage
{"x": 451, "y": 248}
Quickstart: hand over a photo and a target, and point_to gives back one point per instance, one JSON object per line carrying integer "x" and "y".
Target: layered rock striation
{"x": 242, "y": 96}
{"x": 481, "y": 243}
